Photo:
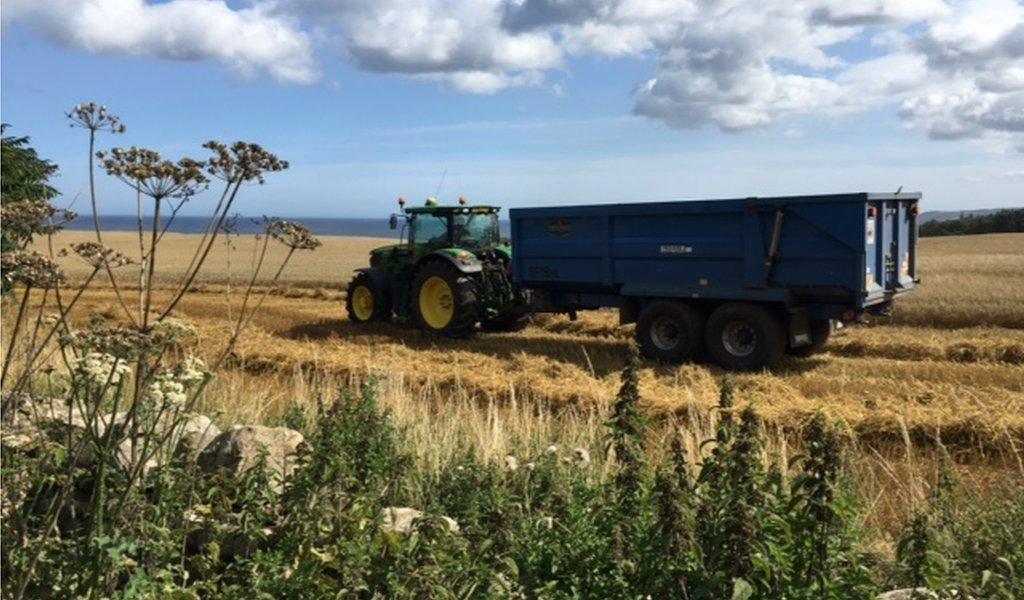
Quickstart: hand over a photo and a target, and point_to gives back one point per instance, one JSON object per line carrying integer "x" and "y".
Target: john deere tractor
{"x": 451, "y": 272}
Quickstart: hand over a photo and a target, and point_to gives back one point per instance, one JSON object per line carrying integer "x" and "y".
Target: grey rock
{"x": 241, "y": 447}
{"x": 400, "y": 519}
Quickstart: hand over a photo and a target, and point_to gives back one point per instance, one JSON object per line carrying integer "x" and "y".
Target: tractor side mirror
{"x": 393, "y": 222}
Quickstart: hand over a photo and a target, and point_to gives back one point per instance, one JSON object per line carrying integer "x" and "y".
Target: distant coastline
{"x": 348, "y": 227}
{"x": 376, "y": 228}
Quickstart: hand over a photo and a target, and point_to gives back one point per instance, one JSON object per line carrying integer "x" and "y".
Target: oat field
{"x": 948, "y": 365}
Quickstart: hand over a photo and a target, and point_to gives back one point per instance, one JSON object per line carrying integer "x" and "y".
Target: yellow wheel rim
{"x": 362, "y": 303}
{"x": 437, "y": 303}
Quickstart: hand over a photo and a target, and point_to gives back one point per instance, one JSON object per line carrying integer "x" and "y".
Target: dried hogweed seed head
{"x": 147, "y": 172}
{"x": 97, "y": 255}
{"x": 22, "y": 220}
{"x": 94, "y": 117}
{"x": 291, "y": 234}
{"x": 122, "y": 342}
{"x": 242, "y": 161}
{"x": 30, "y": 268}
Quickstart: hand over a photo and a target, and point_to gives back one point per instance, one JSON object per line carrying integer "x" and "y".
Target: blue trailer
{"x": 744, "y": 281}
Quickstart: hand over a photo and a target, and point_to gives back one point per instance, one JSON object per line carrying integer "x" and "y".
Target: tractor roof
{"x": 447, "y": 210}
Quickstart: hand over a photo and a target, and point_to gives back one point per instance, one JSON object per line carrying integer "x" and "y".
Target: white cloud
{"x": 460, "y": 43}
{"x": 247, "y": 39}
{"x": 953, "y": 69}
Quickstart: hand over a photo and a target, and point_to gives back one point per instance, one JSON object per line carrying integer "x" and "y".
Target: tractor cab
{"x": 432, "y": 226}
{"x": 450, "y": 272}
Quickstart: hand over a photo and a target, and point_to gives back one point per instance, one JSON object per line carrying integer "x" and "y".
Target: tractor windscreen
{"x": 477, "y": 230}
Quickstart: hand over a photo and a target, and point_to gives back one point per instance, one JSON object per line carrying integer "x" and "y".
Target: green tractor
{"x": 451, "y": 272}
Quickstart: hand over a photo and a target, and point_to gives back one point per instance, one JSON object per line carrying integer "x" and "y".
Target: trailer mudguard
{"x": 463, "y": 260}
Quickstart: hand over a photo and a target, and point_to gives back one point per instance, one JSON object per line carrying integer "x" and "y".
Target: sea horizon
{"x": 375, "y": 227}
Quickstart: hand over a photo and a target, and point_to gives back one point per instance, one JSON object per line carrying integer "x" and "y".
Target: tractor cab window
{"x": 430, "y": 229}
{"x": 478, "y": 230}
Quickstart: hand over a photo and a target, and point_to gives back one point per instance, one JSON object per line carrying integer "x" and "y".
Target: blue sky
{"x": 584, "y": 130}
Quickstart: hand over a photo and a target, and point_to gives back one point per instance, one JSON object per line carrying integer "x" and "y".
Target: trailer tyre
{"x": 819, "y": 330}
{"x": 445, "y": 300}
{"x": 745, "y": 336}
{"x": 670, "y": 331}
{"x": 366, "y": 301}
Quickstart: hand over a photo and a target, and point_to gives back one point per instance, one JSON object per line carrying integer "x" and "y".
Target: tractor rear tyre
{"x": 745, "y": 336}
{"x": 670, "y": 331}
{"x": 366, "y": 301}
{"x": 445, "y": 300}
{"x": 819, "y": 330}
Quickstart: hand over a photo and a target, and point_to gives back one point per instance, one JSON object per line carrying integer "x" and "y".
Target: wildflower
{"x": 30, "y": 269}
{"x": 192, "y": 370}
{"x": 165, "y": 390}
{"x": 582, "y": 455}
{"x": 101, "y": 368}
{"x": 548, "y": 522}
{"x": 511, "y": 463}
{"x": 530, "y": 466}
{"x": 552, "y": 449}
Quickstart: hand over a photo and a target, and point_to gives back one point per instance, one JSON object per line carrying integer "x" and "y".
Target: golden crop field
{"x": 949, "y": 363}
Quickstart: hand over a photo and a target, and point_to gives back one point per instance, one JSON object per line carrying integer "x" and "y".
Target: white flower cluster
{"x": 166, "y": 390}
{"x": 191, "y": 370}
{"x": 101, "y": 368}
{"x": 170, "y": 388}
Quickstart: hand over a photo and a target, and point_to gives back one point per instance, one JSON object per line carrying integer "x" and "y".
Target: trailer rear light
{"x": 871, "y": 211}
{"x": 914, "y": 209}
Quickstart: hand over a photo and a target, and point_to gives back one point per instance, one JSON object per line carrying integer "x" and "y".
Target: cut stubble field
{"x": 949, "y": 365}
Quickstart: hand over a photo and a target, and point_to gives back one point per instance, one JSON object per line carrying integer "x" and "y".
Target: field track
{"x": 949, "y": 363}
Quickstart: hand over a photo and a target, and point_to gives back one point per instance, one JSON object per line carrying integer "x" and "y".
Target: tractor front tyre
{"x": 366, "y": 301}
{"x": 445, "y": 301}
{"x": 819, "y": 330}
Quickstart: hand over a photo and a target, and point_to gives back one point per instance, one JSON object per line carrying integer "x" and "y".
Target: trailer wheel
{"x": 670, "y": 331}
{"x": 745, "y": 336}
{"x": 444, "y": 300}
{"x": 366, "y": 301}
{"x": 819, "y": 329}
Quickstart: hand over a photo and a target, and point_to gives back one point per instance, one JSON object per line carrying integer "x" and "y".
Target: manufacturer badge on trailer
{"x": 560, "y": 227}
{"x": 676, "y": 249}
